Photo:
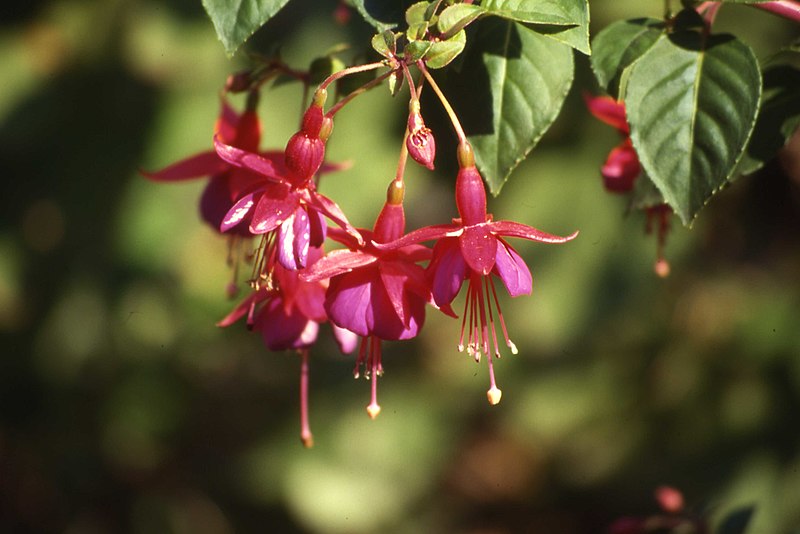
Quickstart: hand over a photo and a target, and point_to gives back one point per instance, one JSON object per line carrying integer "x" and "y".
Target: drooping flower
{"x": 286, "y": 206}
{"x": 378, "y": 294}
{"x": 622, "y": 166}
{"x": 287, "y": 311}
{"x": 473, "y": 248}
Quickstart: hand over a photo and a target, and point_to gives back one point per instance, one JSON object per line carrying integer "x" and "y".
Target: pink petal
{"x": 302, "y": 237}
{"x": 346, "y": 339}
{"x": 621, "y": 168}
{"x": 428, "y": 233}
{"x": 237, "y": 213}
{"x": 248, "y": 160}
{"x": 515, "y": 229}
{"x": 197, "y": 166}
{"x": 271, "y": 210}
{"x": 394, "y": 280}
{"x": 479, "y": 248}
{"x": 449, "y": 270}
{"x": 242, "y": 308}
{"x": 513, "y": 271}
{"x": 318, "y": 228}
{"x": 335, "y": 263}
{"x": 332, "y": 211}
{"x": 608, "y": 110}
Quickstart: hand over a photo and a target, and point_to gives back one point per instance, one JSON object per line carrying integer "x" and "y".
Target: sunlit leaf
{"x": 692, "y": 102}
{"x": 566, "y": 21}
{"x": 511, "y": 88}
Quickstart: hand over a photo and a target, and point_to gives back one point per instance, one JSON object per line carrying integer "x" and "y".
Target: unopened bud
{"x": 303, "y": 157}
{"x": 238, "y": 82}
{"x": 420, "y": 141}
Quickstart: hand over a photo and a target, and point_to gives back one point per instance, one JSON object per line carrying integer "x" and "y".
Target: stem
{"x": 401, "y": 163}
{"x": 410, "y": 81}
{"x": 364, "y": 88}
{"x": 350, "y": 70}
{"x": 462, "y": 137}
{"x": 784, "y": 8}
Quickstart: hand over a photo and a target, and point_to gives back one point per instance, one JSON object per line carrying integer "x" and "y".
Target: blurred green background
{"x": 124, "y": 409}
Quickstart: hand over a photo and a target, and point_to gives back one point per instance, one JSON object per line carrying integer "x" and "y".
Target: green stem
{"x": 350, "y": 70}
{"x": 364, "y": 88}
{"x": 462, "y": 137}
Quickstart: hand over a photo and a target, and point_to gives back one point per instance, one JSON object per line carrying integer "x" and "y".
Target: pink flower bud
{"x": 420, "y": 142}
{"x": 303, "y": 157}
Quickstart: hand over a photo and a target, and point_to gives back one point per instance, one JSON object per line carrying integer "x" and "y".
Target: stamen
{"x": 376, "y": 369}
{"x": 484, "y": 331}
{"x": 491, "y": 319}
{"x": 510, "y": 343}
{"x": 362, "y": 355}
{"x": 305, "y": 429}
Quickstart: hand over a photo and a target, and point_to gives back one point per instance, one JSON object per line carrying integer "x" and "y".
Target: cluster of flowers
{"x": 377, "y": 285}
{"x": 622, "y": 169}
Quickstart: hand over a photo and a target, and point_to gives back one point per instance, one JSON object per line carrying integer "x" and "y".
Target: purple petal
{"x": 248, "y": 160}
{"x": 203, "y": 164}
{"x": 346, "y": 339}
{"x": 515, "y": 229}
{"x": 349, "y": 302}
{"x": 513, "y": 271}
{"x": 394, "y": 280}
{"x": 236, "y": 213}
{"x": 449, "y": 271}
{"x": 285, "y": 244}
{"x": 282, "y": 330}
{"x": 319, "y": 229}
{"x": 302, "y": 236}
{"x": 479, "y": 248}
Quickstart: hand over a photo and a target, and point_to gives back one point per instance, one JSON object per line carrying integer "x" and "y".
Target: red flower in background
{"x": 622, "y": 166}
{"x": 227, "y": 182}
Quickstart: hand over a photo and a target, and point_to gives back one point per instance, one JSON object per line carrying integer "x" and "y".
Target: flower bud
{"x": 239, "y": 82}
{"x": 303, "y": 157}
{"x": 420, "y": 141}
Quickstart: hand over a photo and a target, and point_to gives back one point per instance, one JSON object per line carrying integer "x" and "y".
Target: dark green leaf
{"x": 566, "y": 21}
{"x": 509, "y": 92}
{"x": 645, "y": 194}
{"x": 692, "y": 104}
{"x": 620, "y": 44}
{"x": 236, "y": 20}
{"x": 779, "y": 117}
{"x": 380, "y": 15}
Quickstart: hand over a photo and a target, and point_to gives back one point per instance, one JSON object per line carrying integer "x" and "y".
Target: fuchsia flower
{"x": 622, "y": 166}
{"x": 472, "y": 248}
{"x": 378, "y": 294}
{"x": 285, "y": 204}
{"x": 420, "y": 142}
{"x": 227, "y": 182}
{"x": 287, "y": 311}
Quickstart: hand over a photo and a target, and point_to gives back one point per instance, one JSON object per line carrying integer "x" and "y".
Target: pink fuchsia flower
{"x": 622, "y": 166}
{"x": 286, "y": 205}
{"x": 227, "y": 183}
{"x": 473, "y": 248}
{"x": 378, "y": 294}
{"x": 287, "y": 311}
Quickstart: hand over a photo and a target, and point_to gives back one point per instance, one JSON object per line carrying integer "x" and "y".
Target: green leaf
{"x": 645, "y": 194}
{"x": 692, "y": 104}
{"x": 236, "y": 20}
{"x": 417, "y": 13}
{"x": 618, "y": 46}
{"x": 779, "y": 117}
{"x": 442, "y": 53}
{"x": 508, "y": 93}
{"x": 454, "y": 18}
{"x": 385, "y": 43}
{"x": 566, "y": 21}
